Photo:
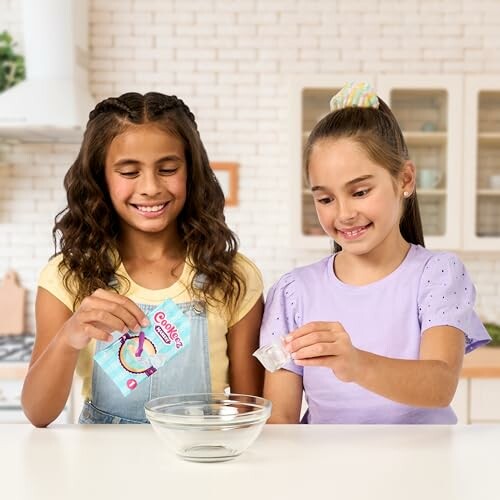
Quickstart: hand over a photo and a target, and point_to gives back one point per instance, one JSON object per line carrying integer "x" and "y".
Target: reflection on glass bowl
{"x": 208, "y": 427}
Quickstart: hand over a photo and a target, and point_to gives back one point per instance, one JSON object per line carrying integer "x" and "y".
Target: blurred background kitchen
{"x": 257, "y": 74}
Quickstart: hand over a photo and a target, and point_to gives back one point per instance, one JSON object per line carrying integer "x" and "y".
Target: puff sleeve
{"x": 51, "y": 279}
{"x": 254, "y": 286}
{"x": 446, "y": 297}
{"x": 280, "y": 315}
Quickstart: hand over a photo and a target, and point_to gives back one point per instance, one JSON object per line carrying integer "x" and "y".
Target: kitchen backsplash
{"x": 232, "y": 61}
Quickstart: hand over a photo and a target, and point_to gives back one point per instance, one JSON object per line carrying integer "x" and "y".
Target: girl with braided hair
{"x": 144, "y": 222}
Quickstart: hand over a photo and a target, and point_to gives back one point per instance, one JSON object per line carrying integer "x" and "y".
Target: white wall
{"x": 231, "y": 61}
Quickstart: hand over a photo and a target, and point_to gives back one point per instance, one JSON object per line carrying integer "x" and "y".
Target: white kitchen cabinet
{"x": 482, "y": 164}
{"x": 460, "y": 403}
{"x": 452, "y": 127}
{"x": 477, "y": 399}
{"x": 429, "y": 111}
{"x": 484, "y": 400}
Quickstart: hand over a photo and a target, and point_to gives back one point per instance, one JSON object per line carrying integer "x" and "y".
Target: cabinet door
{"x": 460, "y": 403}
{"x": 310, "y": 101}
{"x": 429, "y": 111}
{"x": 481, "y": 189}
{"x": 485, "y": 400}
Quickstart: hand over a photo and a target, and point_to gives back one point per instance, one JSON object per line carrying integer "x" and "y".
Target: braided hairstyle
{"x": 87, "y": 229}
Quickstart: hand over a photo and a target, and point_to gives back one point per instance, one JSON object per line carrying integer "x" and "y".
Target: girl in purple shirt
{"x": 378, "y": 330}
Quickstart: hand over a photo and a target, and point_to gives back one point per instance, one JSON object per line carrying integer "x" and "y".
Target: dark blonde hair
{"x": 377, "y": 131}
{"x": 88, "y": 228}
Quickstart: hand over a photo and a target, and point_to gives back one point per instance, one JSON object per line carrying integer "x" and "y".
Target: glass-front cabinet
{"x": 429, "y": 111}
{"x": 482, "y": 164}
{"x": 452, "y": 127}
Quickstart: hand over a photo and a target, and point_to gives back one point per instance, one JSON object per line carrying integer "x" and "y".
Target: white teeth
{"x": 353, "y": 233}
{"x": 155, "y": 208}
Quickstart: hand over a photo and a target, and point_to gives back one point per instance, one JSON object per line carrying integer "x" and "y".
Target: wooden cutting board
{"x": 12, "y": 304}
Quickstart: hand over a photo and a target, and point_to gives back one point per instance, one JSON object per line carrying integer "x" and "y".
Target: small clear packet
{"x": 132, "y": 358}
{"x": 273, "y": 356}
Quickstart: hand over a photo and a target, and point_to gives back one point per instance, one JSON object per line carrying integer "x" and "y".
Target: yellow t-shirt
{"x": 219, "y": 318}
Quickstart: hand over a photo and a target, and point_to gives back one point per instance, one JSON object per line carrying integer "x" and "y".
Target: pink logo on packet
{"x": 166, "y": 330}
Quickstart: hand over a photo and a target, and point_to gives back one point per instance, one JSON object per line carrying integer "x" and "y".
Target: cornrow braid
{"x": 163, "y": 103}
{"x": 110, "y": 105}
{"x": 186, "y": 110}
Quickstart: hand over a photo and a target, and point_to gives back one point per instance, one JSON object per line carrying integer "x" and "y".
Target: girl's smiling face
{"x": 357, "y": 201}
{"x": 146, "y": 175}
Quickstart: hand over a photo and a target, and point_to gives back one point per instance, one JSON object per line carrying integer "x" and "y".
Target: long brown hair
{"x": 377, "y": 131}
{"x": 88, "y": 228}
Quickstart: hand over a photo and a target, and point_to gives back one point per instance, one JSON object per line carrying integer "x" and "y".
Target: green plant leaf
{"x": 494, "y": 332}
{"x": 12, "y": 67}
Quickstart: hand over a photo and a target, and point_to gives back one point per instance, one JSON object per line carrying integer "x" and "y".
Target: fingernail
{"x": 110, "y": 338}
{"x": 145, "y": 322}
{"x": 125, "y": 329}
{"x": 137, "y": 328}
{"x": 288, "y": 338}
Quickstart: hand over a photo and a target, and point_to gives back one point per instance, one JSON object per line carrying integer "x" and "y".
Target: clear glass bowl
{"x": 208, "y": 427}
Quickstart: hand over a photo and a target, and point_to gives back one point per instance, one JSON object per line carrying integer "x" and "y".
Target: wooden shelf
{"x": 431, "y": 192}
{"x": 426, "y": 138}
{"x": 489, "y": 137}
{"x": 315, "y": 231}
{"x": 488, "y": 192}
{"x": 482, "y": 363}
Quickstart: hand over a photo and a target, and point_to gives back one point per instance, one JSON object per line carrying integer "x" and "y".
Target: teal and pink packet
{"x": 134, "y": 357}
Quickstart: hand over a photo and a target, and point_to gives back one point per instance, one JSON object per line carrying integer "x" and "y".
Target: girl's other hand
{"x": 100, "y": 314}
{"x": 322, "y": 343}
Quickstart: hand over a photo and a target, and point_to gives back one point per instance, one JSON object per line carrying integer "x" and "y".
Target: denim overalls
{"x": 187, "y": 372}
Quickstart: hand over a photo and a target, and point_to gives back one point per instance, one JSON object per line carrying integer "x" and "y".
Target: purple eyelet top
{"x": 387, "y": 317}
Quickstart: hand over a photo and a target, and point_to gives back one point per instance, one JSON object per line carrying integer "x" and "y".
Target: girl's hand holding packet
{"x": 132, "y": 358}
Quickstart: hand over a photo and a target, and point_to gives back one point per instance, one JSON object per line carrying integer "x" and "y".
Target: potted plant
{"x": 494, "y": 331}
{"x": 12, "y": 68}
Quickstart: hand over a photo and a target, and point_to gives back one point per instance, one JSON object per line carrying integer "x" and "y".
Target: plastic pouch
{"x": 132, "y": 358}
{"x": 273, "y": 356}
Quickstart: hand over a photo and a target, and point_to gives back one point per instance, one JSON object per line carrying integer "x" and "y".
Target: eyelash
{"x": 324, "y": 201}
{"x": 168, "y": 171}
{"x": 163, "y": 171}
{"x": 361, "y": 193}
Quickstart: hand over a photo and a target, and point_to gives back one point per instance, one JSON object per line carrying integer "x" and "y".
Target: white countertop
{"x": 286, "y": 462}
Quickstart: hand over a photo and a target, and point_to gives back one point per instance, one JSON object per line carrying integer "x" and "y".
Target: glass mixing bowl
{"x": 208, "y": 427}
